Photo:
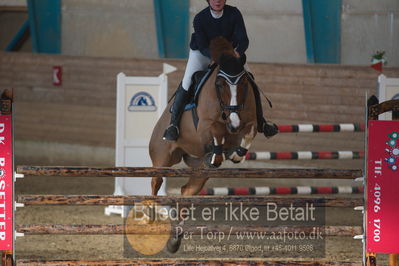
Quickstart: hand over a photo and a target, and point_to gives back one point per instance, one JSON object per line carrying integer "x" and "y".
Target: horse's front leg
{"x": 238, "y": 155}
{"x": 216, "y": 157}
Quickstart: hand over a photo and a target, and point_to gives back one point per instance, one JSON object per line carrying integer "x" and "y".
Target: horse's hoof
{"x": 173, "y": 244}
{"x": 212, "y": 160}
{"x": 235, "y": 158}
{"x": 236, "y": 162}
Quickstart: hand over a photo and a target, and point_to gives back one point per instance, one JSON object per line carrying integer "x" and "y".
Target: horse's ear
{"x": 243, "y": 59}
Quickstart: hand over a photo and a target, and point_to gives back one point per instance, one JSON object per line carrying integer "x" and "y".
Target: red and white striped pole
{"x": 305, "y": 155}
{"x": 297, "y": 190}
{"x": 310, "y": 128}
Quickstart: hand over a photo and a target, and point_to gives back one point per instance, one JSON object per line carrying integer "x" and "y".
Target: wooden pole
{"x": 7, "y": 258}
{"x": 371, "y": 259}
{"x": 6, "y": 99}
{"x": 393, "y": 259}
{"x": 186, "y": 172}
{"x": 375, "y": 110}
{"x": 193, "y": 262}
{"x": 186, "y": 200}
{"x": 162, "y": 228}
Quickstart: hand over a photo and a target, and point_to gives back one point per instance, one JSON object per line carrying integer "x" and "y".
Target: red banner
{"x": 382, "y": 232}
{"x": 6, "y": 183}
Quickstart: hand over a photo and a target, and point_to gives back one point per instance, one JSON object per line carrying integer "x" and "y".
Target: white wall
{"x": 368, "y": 26}
{"x": 122, "y": 28}
{"x": 126, "y": 28}
{"x": 12, "y": 2}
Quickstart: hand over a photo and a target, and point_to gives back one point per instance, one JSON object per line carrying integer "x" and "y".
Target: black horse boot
{"x": 172, "y": 132}
{"x": 269, "y": 129}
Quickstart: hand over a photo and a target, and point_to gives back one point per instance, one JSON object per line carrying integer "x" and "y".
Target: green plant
{"x": 379, "y": 55}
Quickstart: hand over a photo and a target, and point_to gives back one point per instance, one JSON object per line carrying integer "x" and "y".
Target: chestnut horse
{"x": 226, "y": 127}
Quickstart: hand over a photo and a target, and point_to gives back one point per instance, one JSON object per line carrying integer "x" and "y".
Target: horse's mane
{"x": 222, "y": 52}
{"x": 220, "y": 46}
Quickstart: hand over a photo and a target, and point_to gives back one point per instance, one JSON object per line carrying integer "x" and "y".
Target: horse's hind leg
{"x": 156, "y": 183}
{"x": 193, "y": 186}
{"x": 167, "y": 161}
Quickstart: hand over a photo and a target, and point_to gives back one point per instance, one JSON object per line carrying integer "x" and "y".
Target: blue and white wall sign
{"x": 142, "y": 102}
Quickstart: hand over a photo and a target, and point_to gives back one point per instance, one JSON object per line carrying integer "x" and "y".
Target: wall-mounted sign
{"x": 6, "y": 183}
{"x": 57, "y": 75}
{"x": 382, "y": 183}
{"x": 142, "y": 102}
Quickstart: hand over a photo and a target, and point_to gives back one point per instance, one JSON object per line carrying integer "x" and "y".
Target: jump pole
{"x": 156, "y": 229}
{"x": 95, "y": 200}
{"x": 316, "y": 128}
{"x": 187, "y": 261}
{"x": 185, "y": 172}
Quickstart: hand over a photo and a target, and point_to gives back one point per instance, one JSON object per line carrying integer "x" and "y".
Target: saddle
{"x": 197, "y": 82}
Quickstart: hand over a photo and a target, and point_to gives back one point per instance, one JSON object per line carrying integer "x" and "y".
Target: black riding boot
{"x": 269, "y": 129}
{"x": 172, "y": 132}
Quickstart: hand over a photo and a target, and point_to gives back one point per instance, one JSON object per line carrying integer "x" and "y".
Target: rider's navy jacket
{"x": 230, "y": 25}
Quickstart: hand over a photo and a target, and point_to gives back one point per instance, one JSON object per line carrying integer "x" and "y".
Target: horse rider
{"x": 218, "y": 19}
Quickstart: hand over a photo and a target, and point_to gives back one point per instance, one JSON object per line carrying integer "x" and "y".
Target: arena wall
{"x": 126, "y": 28}
{"x": 79, "y": 116}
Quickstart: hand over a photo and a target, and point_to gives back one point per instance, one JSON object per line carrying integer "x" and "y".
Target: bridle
{"x": 231, "y": 80}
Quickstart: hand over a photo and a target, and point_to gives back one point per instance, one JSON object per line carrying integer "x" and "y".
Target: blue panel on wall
{"x": 45, "y": 25}
{"x": 171, "y": 18}
{"x": 18, "y": 39}
{"x": 322, "y": 20}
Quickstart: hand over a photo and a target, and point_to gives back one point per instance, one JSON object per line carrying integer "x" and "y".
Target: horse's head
{"x": 231, "y": 84}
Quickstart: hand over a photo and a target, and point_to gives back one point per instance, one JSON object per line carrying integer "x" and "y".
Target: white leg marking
{"x": 247, "y": 140}
{"x": 245, "y": 143}
{"x": 215, "y": 141}
{"x": 213, "y": 158}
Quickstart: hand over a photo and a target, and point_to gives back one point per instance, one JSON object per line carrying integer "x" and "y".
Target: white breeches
{"x": 196, "y": 62}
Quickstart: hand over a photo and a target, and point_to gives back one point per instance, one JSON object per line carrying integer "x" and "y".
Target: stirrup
{"x": 171, "y": 133}
{"x": 269, "y": 129}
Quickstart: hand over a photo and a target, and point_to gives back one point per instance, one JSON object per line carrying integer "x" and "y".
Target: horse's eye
{"x": 219, "y": 84}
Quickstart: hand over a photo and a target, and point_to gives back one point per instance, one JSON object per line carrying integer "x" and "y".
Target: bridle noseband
{"x": 231, "y": 80}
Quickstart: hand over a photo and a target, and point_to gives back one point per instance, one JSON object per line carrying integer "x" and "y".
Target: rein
{"x": 231, "y": 80}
